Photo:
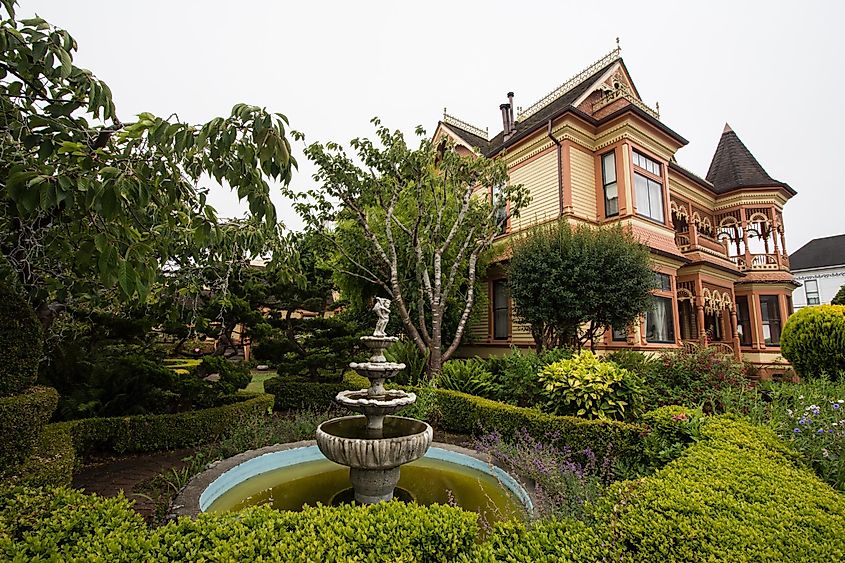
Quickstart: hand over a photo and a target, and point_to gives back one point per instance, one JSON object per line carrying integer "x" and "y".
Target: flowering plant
{"x": 816, "y": 428}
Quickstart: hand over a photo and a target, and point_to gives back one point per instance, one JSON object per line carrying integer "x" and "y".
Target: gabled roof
{"x": 819, "y": 253}
{"x": 734, "y": 167}
{"x": 468, "y": 137}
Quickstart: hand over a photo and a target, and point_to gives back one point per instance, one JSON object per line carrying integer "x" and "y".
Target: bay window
{"x": 611, "y": 189}
{"x": 648, "y": 187}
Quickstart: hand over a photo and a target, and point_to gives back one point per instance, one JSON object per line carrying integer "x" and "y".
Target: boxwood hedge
{"x": 738, "y": 494}
{"x": 51, "y": 463}
{"x": 20, "y": 342}
{"x": 147, "y": 433}
{"x": 22, "y": 418}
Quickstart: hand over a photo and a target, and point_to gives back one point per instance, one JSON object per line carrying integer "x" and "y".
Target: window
{"x": 646, "y": 163}
{"x": 620, "y": 335}
{"x": 649, "y": 197}
{"x": 662, "y": 281}
{"x": 770, "y": 311}
{"x": 496, "y": 198}
{"x": 811, "y": 289}
{"x": 611, "y": 190}
{"x": 501, "y": 328}
{"x": 659, "y": 322}
{"x": 743, "y": 320}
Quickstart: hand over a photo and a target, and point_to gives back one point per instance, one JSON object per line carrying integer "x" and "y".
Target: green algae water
{"x": 428, "y": 481}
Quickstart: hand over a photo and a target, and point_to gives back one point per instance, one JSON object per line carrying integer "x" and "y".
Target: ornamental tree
{"x": 92, "y": 204}
{"x": 417, "y": 218}
{"x": 839, "y": 298}
{"x": 570, "y": 283}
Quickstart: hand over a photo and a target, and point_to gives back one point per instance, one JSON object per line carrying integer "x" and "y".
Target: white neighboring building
{"x": 819, "y": 266}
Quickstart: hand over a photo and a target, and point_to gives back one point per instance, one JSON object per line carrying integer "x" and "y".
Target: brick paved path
{"x": 108, "y": 476}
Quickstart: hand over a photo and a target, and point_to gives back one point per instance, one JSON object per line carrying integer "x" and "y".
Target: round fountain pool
{"x": 292, "y": 475}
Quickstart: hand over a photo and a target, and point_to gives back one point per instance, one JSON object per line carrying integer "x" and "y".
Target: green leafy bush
{"x": 517, "y": 374}
{"x": 586, "y": 386}
{"x": 22, "y": 418}
{"x": 691, "y": 377}
{"x": 671, "y": 430}
{"x": 20, "y": 342}
{"x": 468, "y": 376}
{"x": 293, "y": 393}
{"x": 416, "y": 362}
{"x": 51, "y": 462}
{"x": 467, "y": 414}
{"x": 233, "y": 376}
{"x": 813, "y": 340}
{"x": 146, "y": 433}
{"x": 63, "y": 525}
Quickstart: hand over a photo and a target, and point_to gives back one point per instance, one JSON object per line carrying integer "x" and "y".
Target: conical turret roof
{"x": 734, "y": 167}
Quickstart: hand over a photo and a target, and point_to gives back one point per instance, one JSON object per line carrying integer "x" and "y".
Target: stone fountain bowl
{"x": 347, "y": 441}
{"x": 391, "y": 401}
{"x": 377, "y": 370}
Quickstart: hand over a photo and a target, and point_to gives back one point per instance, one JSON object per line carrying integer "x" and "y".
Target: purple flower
{"x": 836, "y": 405}
{"x": 796, "y": 430}
{"x": 820, "y": 431}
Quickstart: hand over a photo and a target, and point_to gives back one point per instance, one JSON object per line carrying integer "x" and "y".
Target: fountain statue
{"x": 375, "y": 445}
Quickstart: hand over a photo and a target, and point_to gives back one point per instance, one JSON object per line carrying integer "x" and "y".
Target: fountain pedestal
{"x": 374, "y": 445}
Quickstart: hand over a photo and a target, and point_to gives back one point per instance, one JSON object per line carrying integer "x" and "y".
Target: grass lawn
{"x": 258, "y": 379}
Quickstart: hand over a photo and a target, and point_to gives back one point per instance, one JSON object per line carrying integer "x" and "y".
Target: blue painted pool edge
{"x": 276, "y": 460}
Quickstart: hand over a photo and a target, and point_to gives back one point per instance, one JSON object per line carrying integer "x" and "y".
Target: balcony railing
{"x": 759, "y": 262}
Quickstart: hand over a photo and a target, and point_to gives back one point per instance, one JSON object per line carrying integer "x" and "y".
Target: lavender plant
{"x": 565, "y": 481}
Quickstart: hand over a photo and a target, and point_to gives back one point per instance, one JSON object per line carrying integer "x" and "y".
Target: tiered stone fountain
{"x": 375, "y": 445}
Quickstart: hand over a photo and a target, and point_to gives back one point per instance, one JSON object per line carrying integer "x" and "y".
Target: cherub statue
{"x": 382, "y": 310}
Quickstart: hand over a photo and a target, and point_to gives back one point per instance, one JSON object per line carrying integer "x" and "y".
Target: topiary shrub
{"x": 20, "y": 342}
{"x": 51, "y": 463}
{"x": 22, "y": 418}
{"x": 468, "y": 376}
{"x": 813, "y": 340}
{"x": 586, "y": 386}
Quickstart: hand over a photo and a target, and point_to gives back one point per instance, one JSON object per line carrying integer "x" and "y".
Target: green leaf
{"x": 67, "y": 65}
{"x": 127, "y": 278}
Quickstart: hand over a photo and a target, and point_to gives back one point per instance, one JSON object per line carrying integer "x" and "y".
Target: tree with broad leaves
{"x": 428, "y": 204}
{"x": 570, "y": 283}
{"x": 91, "y": 204}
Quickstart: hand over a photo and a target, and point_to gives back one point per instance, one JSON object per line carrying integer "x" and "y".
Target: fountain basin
{"x": 348, "y": 441}
{"x": 288, "y": 476}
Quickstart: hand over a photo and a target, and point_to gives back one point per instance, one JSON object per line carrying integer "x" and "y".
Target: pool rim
{"x": 189, "y": 500}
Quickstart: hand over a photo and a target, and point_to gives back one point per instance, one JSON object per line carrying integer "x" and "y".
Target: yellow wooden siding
{"x": 583, "y": 175}
{"x": 477, "y": 328}
{"x": 521, "y": 333}
{"x": 539, "y": 176}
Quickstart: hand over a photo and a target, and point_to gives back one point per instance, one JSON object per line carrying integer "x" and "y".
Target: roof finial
{"x": 444, "y": 112}
{"x": 727, "y": 129}
{"x": 618, "y": 46}
{"x": 657, "y": 109}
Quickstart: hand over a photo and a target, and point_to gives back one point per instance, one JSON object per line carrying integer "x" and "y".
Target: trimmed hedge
{"x": 22, "y": 418}
{"x": 20, "y": 342}
{"x": 147, "y": 433}
{"x": 51, "y": 463}
{"x": 467, "y": 414}
{"x": 736, "y": 495}
{"x": 75, "y": 526}
{"x": 293, "y": 393}
{"x": 813, "y": 341}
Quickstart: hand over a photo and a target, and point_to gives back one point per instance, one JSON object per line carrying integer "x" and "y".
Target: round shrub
{"x": 20, "y": 342}
{"x": 22, "y": 418}
{"x": 586, "y": 386}
{"x": 813, "y": 340}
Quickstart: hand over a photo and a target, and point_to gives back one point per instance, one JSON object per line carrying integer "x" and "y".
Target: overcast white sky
{"x": 772, "y": 69}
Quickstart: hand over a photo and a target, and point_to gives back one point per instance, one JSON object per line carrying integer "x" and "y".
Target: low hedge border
{"x": 22, "y": 419}
{"x": 738, "y": 494}
{"x": 467, "y": 414}
{"x": 147, "y": 433}
{"x": 52, "y": 461}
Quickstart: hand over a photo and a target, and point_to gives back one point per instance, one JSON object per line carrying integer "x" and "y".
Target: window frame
{"x": 766, "y": 322}
{"x": 808, "y": 293}
{"x": 494, "y": 309}
{"x": 670, "y": 306}
{"x": 606, "y": 184}
{"x": 743, "y": 322}
{"x": 644, "y": 166}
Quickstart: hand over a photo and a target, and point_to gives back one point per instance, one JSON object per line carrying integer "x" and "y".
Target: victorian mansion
{"x": 593, "y": 152}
